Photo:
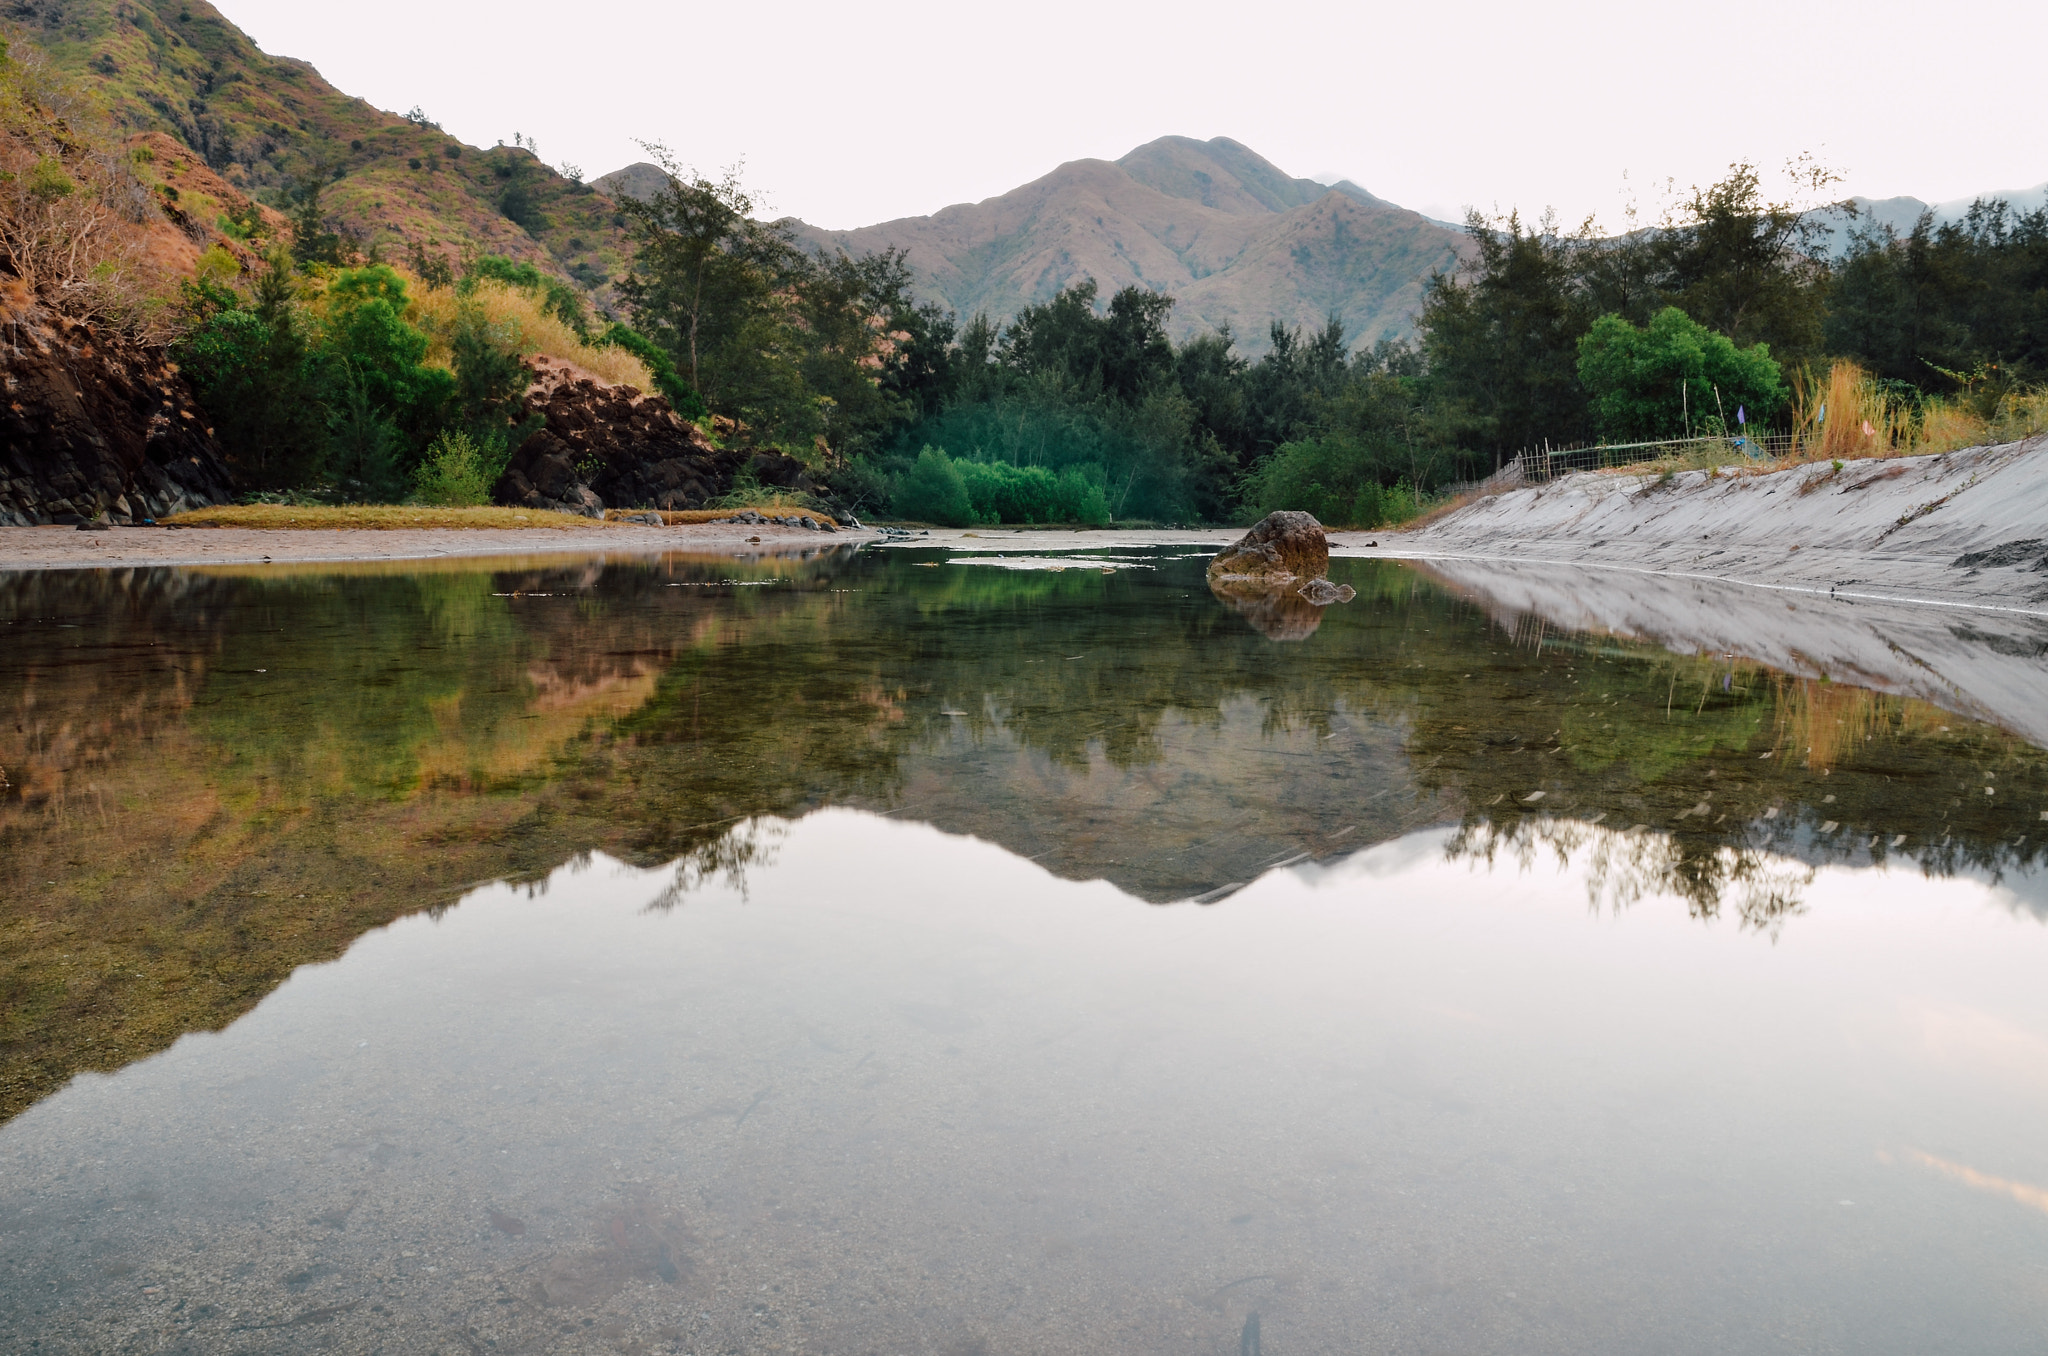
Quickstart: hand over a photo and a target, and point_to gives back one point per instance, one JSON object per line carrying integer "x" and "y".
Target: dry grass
{"x": 517, "y": 315}
{"x": 685, "y": 517}
{"x": 371, "y": 517}
{"x": 1860, "y": 421}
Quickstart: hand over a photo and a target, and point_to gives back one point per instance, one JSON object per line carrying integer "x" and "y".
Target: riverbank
{"x": 66, "y": 548}
{"x": 1962, "y": 530}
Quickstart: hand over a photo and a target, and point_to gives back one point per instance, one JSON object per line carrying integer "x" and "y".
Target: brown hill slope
{"x": 1233, "y": 238}
{"x": 268, "y": 123}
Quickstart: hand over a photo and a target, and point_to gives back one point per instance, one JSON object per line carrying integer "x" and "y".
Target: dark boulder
{"x": 611, "y": 446}
{"x": 1282, "y": 546}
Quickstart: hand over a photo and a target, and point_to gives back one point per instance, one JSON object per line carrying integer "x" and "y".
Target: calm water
{"x": 872, "y": 954}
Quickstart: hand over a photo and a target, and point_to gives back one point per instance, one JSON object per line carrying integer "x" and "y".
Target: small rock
{"x": 1322, "y": 592}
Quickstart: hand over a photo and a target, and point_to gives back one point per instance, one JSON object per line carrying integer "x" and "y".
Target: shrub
{"x": 1002, "y": 493}
{"x": 932, "y": 491}
{"x": 457, "y": 473}
{"x": 1335, "y": 478}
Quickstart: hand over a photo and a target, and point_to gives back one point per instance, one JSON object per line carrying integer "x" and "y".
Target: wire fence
{"x": 1547, "y": 463}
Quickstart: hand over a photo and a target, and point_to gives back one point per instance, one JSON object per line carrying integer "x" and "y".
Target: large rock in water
{"x": 1282, "y": 546}
{"x": 95, "y": 425}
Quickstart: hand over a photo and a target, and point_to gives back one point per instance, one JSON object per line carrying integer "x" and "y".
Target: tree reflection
{"x": 754, "y": 843}
{"x": 1623, "y": 867}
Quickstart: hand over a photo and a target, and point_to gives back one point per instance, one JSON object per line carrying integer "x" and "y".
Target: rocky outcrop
{"x": 96, "y": 426}
{"x": 604, "y": 446}
{"x": 1282, "y": 546}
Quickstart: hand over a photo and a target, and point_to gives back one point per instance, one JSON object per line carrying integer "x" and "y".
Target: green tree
{"x": 1748, "y": 267}
{"x": 312, "y": 240}
{"x": 1674, "y": 378}
{"x": 254, "y": 369}
{"x": 1965, "y": 296}
{"x": 367, "y": 343}
{"x": 716, "y": 288}
{"x": 1503, "y": 340}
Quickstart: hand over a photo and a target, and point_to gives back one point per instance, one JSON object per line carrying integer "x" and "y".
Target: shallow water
{"x": 721, "y": 956}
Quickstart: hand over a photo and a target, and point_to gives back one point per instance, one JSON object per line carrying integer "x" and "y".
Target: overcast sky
{"x": 850, "y": 114}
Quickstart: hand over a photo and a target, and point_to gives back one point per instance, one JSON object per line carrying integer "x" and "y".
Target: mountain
{"x": 1234, "y": 239}
{"x": 267, "y": 124}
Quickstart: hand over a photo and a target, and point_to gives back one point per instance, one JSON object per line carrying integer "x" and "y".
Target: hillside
{"x": 267, "y": 124}
{"x": 1233, "y": 238}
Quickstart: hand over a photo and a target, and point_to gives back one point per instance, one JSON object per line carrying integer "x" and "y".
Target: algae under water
{"x": 835, "y": 954}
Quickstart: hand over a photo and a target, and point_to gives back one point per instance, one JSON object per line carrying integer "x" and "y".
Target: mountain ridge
{"x": 1232, "y": 238}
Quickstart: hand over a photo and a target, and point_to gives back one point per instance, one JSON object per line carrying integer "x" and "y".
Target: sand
{"x": 67, "y": 548}
{"x": 1880, "y": 531}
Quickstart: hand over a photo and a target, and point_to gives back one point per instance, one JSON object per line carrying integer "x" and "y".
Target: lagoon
{"x": 873, "y": 952}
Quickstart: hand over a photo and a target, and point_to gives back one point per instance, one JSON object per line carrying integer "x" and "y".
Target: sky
{"x": 846, "y": 115}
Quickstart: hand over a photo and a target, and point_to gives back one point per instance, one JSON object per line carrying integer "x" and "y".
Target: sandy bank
{"x": 1891, "y": 531}
{"x": 66, "y": 548}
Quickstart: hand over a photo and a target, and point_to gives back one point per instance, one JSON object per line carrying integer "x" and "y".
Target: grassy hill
{"x": 269, "y": 124}
{"x": 1232, "y": 237}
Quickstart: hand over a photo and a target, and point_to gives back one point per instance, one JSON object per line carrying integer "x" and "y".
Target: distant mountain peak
{"x": 1234, "y": 239}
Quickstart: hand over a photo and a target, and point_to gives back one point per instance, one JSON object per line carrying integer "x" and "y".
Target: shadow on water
{"x": 212, "y": 778}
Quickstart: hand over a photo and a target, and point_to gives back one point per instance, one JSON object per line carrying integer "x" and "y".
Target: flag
{"x": 1823, "y": 414}
{"x": 1868, "y": 431}
{"x": 1740, "y": 417}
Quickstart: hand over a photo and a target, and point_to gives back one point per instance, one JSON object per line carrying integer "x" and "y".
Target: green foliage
{"x": 1674, "y": 378}
{"x": 46, "y": 180}
{"x": 312, "y": 241}
{"x": 1001, "y": 493}
{"x": 1337, "y": 478}
{"x": 489, "y": 383}
{"x": 255, "y": 370}
{"x": 368, "y": 344}
{"x": 932, "y": 491}
{"x": 716, "y": 289}
{"x": 456, "y": 472}
{"x": 1503, "y": 346}
{"x": 343, "y": 394}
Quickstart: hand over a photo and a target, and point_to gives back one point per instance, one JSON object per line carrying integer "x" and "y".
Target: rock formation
{"x": 93, "y": 425}
{"x": 606, "y": 446}
{"x": 1281, "y": 546}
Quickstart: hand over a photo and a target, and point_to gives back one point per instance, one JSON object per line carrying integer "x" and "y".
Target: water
{"x": 715, "y": 956}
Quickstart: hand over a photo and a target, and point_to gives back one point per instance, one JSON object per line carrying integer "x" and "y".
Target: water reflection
{"x": 913, "y": 1093}
{"x": 214, "y": 777}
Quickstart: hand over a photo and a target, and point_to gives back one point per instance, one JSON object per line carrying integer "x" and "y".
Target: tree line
{"x": 1082, "y": 408}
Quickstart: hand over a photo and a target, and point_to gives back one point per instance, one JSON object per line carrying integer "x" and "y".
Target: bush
{"x": 1002, "y": 493}
{"x": 1675, "y": 378}
{"x": 457, "y": 473}
{"x": 932, "y": 491}
{"x": 1337, "y": 479}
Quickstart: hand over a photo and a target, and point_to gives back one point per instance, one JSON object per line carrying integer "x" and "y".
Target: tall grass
{"x": 518, "y": 316}
{"x": 1864, "y": 418}
{"x": 1846, "y": 415}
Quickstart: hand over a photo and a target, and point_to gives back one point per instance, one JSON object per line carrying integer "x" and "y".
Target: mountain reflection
{"x": 214, "y": 777}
